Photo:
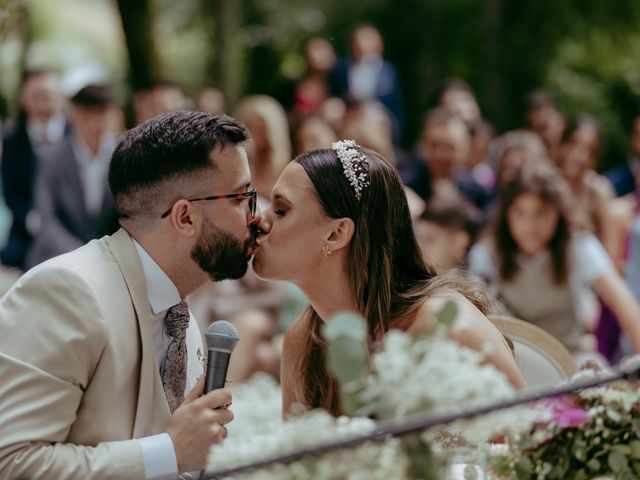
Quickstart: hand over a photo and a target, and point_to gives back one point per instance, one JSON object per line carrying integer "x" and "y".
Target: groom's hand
{"x": 197, "y": 424}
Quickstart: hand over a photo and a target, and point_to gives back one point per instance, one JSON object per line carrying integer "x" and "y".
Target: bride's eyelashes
{"x": 279, "y": 212}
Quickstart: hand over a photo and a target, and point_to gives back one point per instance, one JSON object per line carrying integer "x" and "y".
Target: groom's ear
{"x": 341, "y": 234}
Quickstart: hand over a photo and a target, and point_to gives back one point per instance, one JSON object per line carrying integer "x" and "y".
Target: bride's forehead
{"x": 294, "y": 181}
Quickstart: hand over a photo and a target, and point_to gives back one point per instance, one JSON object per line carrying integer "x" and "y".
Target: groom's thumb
{"x": 196, "y": 391}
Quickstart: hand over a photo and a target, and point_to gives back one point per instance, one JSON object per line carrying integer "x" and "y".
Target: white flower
{"x": 376, "y": 460}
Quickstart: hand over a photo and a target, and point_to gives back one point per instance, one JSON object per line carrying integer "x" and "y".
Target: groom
{"x": 100, "y": 360}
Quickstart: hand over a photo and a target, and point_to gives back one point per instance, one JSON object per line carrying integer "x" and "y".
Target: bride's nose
{"x": 263, "y": 221}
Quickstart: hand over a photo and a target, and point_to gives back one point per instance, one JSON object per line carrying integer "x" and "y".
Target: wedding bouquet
{"x": 593, "y": 433}
{"x": 405, "y": 375}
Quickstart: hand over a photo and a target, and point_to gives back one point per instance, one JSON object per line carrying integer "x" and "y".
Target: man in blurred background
{"x": 41, "y": 127}
{"x": 72, "y": 198}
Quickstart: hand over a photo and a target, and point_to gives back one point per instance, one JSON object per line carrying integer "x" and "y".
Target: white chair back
{"x": 542, "y": 359}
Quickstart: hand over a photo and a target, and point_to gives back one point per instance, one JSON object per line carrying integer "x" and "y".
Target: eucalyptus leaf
{"x": 347, "y": 360}
{"x": 347, "y": 324}
{"x": 624, "y": 449}
{"x": 594, "y": 465}
{"x": 347, "y": 357}
{"x": 635, "y": 449}
{"x": 617, "y": 461}
{"x": 580, "y": 454}
{"x": 470, "y": 472}
{"x": 613, "y": 414}
{"x": 580, "y": 475}
{"x": 447, "y": 314}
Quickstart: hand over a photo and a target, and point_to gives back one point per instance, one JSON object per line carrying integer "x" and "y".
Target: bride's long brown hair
{"x": 386, "y": 272}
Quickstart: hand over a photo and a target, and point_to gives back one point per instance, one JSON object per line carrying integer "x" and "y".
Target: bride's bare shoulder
{"x": 468, "y": 313}
{"x": 471, "y": 329}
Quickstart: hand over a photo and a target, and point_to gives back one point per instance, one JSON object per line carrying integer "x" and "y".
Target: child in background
{"x": 541, "y": 269}
{"x": 445, "y": 231}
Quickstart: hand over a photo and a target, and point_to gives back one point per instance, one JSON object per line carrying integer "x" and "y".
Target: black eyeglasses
{"x": 250, "y": 193}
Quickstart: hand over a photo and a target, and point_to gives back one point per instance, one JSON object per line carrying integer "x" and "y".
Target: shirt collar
{"x": 163, "y": 294}
{"x": 54, "y": 127}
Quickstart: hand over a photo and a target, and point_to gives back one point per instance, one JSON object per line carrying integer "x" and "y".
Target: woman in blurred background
{"x": 270, "y": 148}
{"x": 542, "y": 270}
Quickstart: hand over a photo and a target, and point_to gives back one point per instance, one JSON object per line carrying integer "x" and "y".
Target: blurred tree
{"x": 584, "y": 51}
{"x": 225, "y": 68}
{"x": 137, "y": 21}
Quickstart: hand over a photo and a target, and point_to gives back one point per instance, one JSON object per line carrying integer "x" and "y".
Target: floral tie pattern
{"x": 174, "y": 377}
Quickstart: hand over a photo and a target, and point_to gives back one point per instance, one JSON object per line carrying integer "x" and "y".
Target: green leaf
{"x": 594, "y": 465}
{"x": 347, "y": 324}
{"x": 613, "y": 414}
{"x": 617, "y": 461}
{"x": 347, "y": 357}
{"x": 580, "y": 475}
{"x": 524, "y": 466}
{"x": 347, "y": 360}
{"x": 624, "y": 449}
{"x": 635, "y": 449}
{"x": 580, "y": 454}
{"x": 470, "y": 472}
{"x": 447, "y": 314}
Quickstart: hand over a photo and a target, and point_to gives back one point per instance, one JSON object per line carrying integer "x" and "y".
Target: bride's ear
{"x": 341, "y": 234}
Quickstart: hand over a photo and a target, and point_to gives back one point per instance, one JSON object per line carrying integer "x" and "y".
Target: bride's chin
{"x": 259, "y": 269}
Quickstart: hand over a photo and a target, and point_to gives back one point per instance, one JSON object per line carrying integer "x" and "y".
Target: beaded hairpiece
{"x": 354, "y": 165}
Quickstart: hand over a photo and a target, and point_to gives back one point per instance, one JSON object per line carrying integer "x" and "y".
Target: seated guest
{"x": 541, "y": 268}
{"x": 514, "y": 149}
{"x": 443, "y": 149}
{"x": 270, "y": 147}
{"x": 545, "y": 119}
{"x": 445, "y": 232}
{"x": 73, "y": 200}
{"x": 40, "y": 128}
{"x": 456, "y": 97}
{"x": 478, "y": 166}
{"x": 577, "y": 159}
{"x": 623, "y": 177}
{"x": 313, "y": 133}
{"x": 210, "y": 100}
{"x": 367, "y": 75}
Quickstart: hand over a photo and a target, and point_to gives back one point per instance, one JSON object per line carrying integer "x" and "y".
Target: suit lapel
{"x": 152, "y": 411}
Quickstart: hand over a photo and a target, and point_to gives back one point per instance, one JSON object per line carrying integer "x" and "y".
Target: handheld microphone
{"x": 221, "y": 337}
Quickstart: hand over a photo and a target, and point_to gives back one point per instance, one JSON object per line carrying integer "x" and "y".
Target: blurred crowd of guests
{"x": 557, "y": 243}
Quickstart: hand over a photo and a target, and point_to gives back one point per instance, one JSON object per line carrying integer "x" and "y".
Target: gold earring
{"x": 325, "y": 251}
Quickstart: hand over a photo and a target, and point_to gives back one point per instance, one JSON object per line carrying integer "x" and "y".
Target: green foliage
{"x": 584, "y": 51}
{"x": 607, "y": 444}
{"x": 347, "y": 355}
{"x": 447, "y": 315}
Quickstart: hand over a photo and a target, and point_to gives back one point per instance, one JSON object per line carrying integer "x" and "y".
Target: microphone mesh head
{"x": 222, "y": 336}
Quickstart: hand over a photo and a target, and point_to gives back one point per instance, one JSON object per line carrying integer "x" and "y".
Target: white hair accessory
{"x": 354, "y": 164}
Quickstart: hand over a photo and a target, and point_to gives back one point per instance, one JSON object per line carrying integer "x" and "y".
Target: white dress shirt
{"x": 93, "y": 170}
{"x": 44, "y": 136}
{"x": 159, "y": 455}
{"x": 363, "y": 78}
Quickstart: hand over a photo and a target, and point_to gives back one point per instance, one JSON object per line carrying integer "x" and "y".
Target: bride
{"x": 339, "y": 228}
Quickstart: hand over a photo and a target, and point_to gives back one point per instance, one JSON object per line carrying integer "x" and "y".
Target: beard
{"x": 221, "y": 255}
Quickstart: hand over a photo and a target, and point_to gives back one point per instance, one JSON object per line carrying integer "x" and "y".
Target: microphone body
{"x": 221, "y": 338}
{"x": 217, "y": 365}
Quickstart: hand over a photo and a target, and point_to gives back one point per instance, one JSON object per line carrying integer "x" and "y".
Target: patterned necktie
{"x": 174, "y": 377}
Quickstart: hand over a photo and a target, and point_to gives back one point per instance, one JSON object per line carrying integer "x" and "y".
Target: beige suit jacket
{"x": 78, "y": 375}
